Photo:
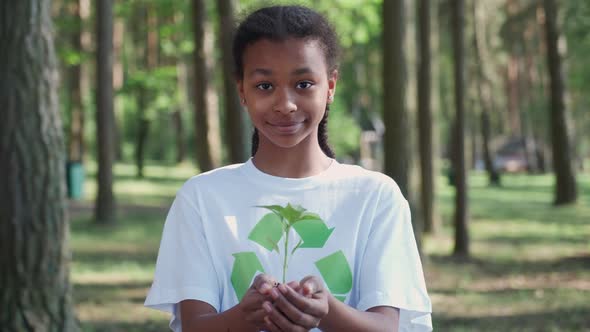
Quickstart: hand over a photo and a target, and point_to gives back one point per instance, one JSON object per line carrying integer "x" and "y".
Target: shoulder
{"x": 210, "y": 179}
{"x": 369, "y": 179}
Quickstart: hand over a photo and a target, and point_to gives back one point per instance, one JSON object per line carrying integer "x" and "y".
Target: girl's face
{"x": 286, "y": 88}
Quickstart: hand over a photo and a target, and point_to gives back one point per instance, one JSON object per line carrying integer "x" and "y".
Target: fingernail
{"x": 267, "y": 307}
{"x": 264, "y": 288}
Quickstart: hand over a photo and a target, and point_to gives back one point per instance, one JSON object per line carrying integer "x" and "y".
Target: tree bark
{"x": 460, "y": 217}
{"x": 144, "y": 93}
{"x": 105, "y": 119}
{"x": 425, "y": 116}
{"x": 235, "y": 124}
{"x": 76, "y": 141}
{"x": 202, "y": 79}
{"x": 565, "y": 181}
{"x": 395, "y": 117}
{"x": 483, "y": 94}
{"x": 34, "y": 256}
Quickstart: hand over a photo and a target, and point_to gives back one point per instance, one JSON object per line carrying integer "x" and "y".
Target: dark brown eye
{"x": 264, "y": 86}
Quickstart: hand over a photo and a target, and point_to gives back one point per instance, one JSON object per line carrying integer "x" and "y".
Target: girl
{"x": 290, "y": 240}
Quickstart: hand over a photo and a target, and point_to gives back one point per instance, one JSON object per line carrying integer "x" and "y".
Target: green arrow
{"x": 268, "y": 232}
{"x": 245, "y": 267}
{"x": 313, "y": 232}
{"x": 336, "y": 273}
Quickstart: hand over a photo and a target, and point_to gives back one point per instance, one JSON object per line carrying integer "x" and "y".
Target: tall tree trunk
{"x": 144, "y": 95}
{"x": 395, "y": 117}
{"x": 118, "y": 39}
{"x": 203, "y": 153}
{"x": 235, "y": 130}
{"x": 213, "y": 130}
{"x": 425, "y": 116}
{"x": 34, "y": 256}
{"x": 461, "y": 231}
{"x": 483, "y": 94}
{"x": 105, "y": 118}
{"x": 76, "y": 141}
{"x": 565, "y": 184}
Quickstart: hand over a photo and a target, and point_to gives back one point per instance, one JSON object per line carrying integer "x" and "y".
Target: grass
{"x": 529, "y": 269}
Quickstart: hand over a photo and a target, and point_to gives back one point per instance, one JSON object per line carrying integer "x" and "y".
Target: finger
{"x": 263, "y": 283}
{"x": 279, "y": 319}
{"x": 256, "y": 317}
{"x": 310, "y": 285}
{"x": 294, "y": 314}
{"x": 302, "y": 303}
{"x": 270, "y": 326}
{"x": 295, "y": 285}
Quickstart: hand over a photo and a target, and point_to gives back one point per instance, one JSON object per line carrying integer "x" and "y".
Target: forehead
{"x": 284, "y": 55}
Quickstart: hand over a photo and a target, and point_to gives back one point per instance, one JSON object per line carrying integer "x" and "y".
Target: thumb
{"x": 310, "y": 286}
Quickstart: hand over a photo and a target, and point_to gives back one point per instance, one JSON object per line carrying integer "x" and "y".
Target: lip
{"x": 286, "y": 127}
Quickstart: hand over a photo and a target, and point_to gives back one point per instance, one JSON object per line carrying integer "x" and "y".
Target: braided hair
{"x": 278, "y": 23}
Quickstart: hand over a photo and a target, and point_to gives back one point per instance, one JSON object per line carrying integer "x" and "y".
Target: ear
{"x": 332, "y": 79}
{"x": 240, "y": 86}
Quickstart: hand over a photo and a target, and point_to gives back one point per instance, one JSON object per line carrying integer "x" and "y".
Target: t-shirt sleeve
{"x": 184, "y": 268}
{"x": 391, "y": 269}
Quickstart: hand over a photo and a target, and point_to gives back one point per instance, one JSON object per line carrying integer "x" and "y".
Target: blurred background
{"x": 478, "y": 109}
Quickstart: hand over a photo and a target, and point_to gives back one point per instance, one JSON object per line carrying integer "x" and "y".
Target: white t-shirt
{"x": 349, "y": 226}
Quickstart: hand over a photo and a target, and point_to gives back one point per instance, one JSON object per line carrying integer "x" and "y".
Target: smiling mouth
{"x": 287, "y": 128}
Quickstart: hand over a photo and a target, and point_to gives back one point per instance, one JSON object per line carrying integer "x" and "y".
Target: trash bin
{"x": 75, "y": 179}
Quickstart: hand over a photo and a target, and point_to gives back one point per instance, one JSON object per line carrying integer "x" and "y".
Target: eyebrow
{"x": 268, "y": 72}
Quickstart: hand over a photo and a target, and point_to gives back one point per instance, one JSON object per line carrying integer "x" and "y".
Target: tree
{"x": 76, "y": 141}
{"x": 425, "y": 116}
{"x": 460, "y": 217}
{"x": 202, "y": 80}
{"x": 34, "y": 276}
{"x": 235, "y": 130}
{"x": 565, "y": 181}
{"x": 484, "y": 95}
{"x": 105, "y": 118}
{"x": 395, "y": 115}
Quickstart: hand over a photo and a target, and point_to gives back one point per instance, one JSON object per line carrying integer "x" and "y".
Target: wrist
{"x": 325, "y": 322}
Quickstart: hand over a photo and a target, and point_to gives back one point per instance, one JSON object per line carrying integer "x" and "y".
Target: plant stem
{"x": 286, "y": 253}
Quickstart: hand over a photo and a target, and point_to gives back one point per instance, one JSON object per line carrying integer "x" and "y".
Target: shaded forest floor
{"x": 530, "y": 269}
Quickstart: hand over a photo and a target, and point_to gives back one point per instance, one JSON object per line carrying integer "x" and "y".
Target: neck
{"x": 300, "y": 161}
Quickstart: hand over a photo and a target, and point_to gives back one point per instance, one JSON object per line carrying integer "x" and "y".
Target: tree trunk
{"x": 483, "y": 94}
{"x": 203, "y": 154}
{"x": 105, "y": 119}
{"x": 212, "y": 97}
{"x": 76, "y": 142}
{"x": 236, "y": 128}
{"x": 34, "y": 256}
{"x": 144, "y": 94}
{"x": 461, "y": 231}
{"x": 425, "y": 116}
{"x": 565, "y": 184}
{"x": 395, "y": 117}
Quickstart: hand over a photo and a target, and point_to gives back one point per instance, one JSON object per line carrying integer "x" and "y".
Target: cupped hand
{"x": 297, "y": 306}
{"x": 251, "y": 305}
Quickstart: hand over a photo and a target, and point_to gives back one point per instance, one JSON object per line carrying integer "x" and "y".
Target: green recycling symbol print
{"x": 313, "y": 233}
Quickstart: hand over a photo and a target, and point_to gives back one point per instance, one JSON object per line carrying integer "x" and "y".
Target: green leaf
{"x": 292, "y": 213}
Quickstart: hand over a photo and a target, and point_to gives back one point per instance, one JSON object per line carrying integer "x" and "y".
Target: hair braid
{"x": 323, "y": 135}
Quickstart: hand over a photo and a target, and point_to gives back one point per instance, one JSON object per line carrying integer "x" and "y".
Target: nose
{"x": 285, "y": 102}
